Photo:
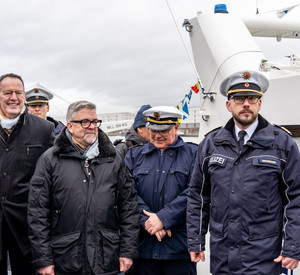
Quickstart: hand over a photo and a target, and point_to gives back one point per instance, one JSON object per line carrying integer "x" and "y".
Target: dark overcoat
{"x": 161, "y": 179}
{"x": 18, "y": 156}
{"x": 82, "y": 212}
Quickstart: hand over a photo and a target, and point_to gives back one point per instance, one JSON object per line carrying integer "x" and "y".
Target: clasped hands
{"x": 154, "y": 226}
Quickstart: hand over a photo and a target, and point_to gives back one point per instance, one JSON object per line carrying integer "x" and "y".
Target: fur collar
{"x": 62, "y": 145}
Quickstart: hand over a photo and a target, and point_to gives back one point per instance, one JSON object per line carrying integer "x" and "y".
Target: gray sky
{"x": 120, "y": 54}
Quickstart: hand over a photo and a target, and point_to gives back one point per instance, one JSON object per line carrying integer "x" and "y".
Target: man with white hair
{"x": 161, "y": 171}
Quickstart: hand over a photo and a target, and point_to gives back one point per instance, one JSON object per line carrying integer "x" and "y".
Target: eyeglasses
{"x": 86, "y": 123}
{"x": 9, "y": 93}
{"x": 163, "y": 133}
{"x": 252, "y": 99}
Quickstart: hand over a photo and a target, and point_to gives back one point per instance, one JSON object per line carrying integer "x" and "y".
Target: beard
{"x": 245, "y": 121}
{"x": 90, "y": 138}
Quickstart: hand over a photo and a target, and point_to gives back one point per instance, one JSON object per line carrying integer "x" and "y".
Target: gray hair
{"x": 12, "y": 75}
{"x": 77, "y": 106}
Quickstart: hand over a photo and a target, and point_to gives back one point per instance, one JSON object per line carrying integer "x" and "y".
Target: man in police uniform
{"x": 37, "y": 101}
{"x": 246, "y": 187}
{"x": 161, "y": 171}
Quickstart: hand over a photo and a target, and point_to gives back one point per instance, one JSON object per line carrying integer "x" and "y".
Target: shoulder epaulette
{"x": 284, "y": 129}
{"x": 135, "y": 145}
{"x": 213, "y": 130}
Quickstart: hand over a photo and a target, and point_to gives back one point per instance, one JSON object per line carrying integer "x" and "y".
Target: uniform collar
{"x": 250, "y": 130}
{"x": 263, "y": 135}
{"x": 150, "y": 147}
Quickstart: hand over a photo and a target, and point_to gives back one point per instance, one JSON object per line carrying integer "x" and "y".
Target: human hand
{"x": 287, "y": 262}
{"x": 153, "y": 224}
{"x": 196, "y": 256}
{"x": 161, "y": 233}
{"x": 47, "y": 270}
{"x": 125, "y": 263}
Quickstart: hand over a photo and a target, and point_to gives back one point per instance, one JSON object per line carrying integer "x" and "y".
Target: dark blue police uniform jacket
{"x": 249, "y": 199}
{"x": 161, "y": 180}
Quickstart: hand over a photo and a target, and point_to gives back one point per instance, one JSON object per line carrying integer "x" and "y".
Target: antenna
{"x": 257, "y": 12}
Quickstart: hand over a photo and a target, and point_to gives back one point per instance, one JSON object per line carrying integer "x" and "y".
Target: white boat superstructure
{"x": 223, "y": 43}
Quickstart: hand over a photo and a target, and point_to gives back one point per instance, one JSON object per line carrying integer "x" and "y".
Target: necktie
{"x": 241, "y": 135}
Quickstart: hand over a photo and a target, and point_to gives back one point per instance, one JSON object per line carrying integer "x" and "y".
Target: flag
{"x": 184, "y": 105}
{"x": 196, "y": 87}
{"x": 284, "y": 11}
{"x": 185, "y": 110}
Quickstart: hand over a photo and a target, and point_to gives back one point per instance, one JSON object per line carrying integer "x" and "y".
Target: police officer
{"x": 161, "y": 171}
{"x": 246, "y": 186}
{"x": 37, "y": 101}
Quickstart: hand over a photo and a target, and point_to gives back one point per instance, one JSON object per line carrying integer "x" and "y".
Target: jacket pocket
{"x": 181, "y": 174}
{"x": 269, "y": 161}
{"x": 264, "y": 230}
{"x": 109, "y": 247}
{"x": 143, "y": 171}
{"x": 216, "y": 229}
{"x": 66, "y": 252}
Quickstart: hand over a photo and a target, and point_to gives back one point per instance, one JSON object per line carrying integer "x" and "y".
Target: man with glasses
{"x": 83, "y": 212}
{"x": 246, "y": 188}
{"x": 161, "y": 171}
{"x": 20, "y": 147}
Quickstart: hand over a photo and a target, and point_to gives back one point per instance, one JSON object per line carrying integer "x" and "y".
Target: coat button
{"x": 231, "y": 247}
{"x": 231, "y": 220}
{"x": 232, "y": 191}
{"x": 6, "y": 149}
{"x": 236, "y": 163}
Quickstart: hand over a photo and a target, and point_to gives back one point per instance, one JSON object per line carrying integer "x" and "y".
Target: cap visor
{"x": 159, "y": 127}
{"x": 36, "y": 103}
{"x": 245, "y": 94}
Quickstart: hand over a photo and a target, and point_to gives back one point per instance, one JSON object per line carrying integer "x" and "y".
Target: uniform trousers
{"x": 20, "y": 265}
{"x": 164, "y": 267}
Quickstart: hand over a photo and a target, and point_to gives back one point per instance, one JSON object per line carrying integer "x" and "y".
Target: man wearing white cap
{"x": 37, "y": 101}
{"x": 161, "y": 171}
{"x": 246, "y": 188}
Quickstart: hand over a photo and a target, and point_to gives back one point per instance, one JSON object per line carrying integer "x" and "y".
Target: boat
{"x": 223, "y": 43}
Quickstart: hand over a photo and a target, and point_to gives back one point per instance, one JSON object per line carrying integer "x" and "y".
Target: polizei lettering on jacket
{"x": 217, "y": 160}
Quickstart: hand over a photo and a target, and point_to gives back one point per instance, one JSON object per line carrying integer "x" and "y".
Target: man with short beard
{"x": 82, "y": 214}
{"x": 246, "y": 188}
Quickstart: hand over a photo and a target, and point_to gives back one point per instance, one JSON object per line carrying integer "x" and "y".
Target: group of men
{"x": 76, "y": 205}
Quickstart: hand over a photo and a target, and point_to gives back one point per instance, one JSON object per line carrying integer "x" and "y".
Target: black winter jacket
{"x": 82, "y": 211}
{"x": 132, "y": 138}
{"x": 18, "y": 155}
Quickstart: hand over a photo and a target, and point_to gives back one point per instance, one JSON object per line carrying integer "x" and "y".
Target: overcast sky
{"x": 120, "y": 54}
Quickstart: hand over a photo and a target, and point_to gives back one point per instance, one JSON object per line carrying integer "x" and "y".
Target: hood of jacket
{"x": 132, "y": 135}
